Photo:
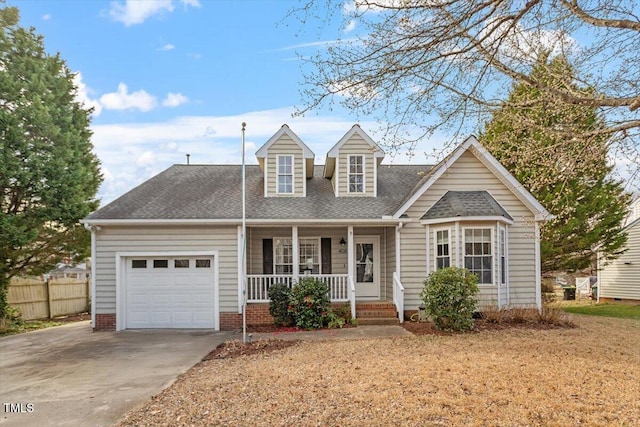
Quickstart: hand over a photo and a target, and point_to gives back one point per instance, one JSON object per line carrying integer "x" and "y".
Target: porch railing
{"x": 352, "y": 295}
{"x": 258, "y": 285}
{"x": 398, "y": 296}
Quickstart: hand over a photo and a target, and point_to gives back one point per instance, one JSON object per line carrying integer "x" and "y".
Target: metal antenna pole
{"x": 244, "y": 244}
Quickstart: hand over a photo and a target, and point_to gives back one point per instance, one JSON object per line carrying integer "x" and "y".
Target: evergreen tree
{"x": 570, "y": 176}
{"x": 49, "y": 175}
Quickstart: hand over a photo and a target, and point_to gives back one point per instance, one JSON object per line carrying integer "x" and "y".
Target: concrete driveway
{"x": 71, "y": 376}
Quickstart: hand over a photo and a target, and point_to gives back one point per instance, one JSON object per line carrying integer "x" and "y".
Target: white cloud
{"x": 46, "y": 17}
{"x": 133, "y": 152}
{"x": 377, "y": 6}
{"x": 348, "y": 89}
{"x": 517, "y": 43}
{"x": 123, "y": 100}
{"x": 136, "y": 12}
{"x": 192, "y": 3}
{"x": 82, "y": 95}
{"x": 174, "y": 100}
{"x": 146, "y": 159}
{"x": 194, "y": 55}
{"x": 166, "y": 47}
{"x": 350, "y": 26}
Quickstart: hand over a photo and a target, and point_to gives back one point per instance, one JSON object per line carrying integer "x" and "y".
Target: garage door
{"x": 170, "y": 292}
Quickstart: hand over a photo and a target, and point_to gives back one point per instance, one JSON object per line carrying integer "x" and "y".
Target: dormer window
{"x": 285, "y": 174}
{"x": 356, "y": 174}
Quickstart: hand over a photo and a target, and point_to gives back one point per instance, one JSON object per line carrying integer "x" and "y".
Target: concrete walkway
{"x": 71, "y": 376}
{"x": 364, "y": 331}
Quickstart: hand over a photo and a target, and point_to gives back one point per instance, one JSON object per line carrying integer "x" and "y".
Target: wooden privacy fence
{"x": 37, "y": 299}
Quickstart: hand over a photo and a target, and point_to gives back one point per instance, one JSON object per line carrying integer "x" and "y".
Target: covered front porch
{"x": 357, "y": 263}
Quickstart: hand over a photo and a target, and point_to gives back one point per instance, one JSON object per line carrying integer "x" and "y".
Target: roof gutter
{"x": 233, "y": 221}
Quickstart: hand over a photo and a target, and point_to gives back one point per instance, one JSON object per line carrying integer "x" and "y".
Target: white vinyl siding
{"x": 284, "y": 147}
{"x": 468, "y": 173}
{"x": 112, "y": 239}
{"x": 621, "y": 278}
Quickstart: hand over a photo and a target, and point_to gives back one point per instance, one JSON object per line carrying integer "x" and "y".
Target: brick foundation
{"x": 257, "y": 314}
{"x": 105, "y": 322}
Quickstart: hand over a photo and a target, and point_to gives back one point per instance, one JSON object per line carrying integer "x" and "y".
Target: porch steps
{"x": 376, "y": 313}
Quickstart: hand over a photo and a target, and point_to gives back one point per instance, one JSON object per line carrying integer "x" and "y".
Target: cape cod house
{"x": 169, "y": 253}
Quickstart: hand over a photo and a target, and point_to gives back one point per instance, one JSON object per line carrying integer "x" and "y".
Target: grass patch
{"x": 20, "y": 326}
{"x": 621, "y": 311}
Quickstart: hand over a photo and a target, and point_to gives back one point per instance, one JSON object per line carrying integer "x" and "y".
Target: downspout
{"x": 93, "y": 229}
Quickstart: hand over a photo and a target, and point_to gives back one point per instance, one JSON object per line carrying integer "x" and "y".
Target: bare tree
{"x": 448, "y": 64}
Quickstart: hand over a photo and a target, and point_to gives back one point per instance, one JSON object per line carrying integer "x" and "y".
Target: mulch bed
{"x": 232, "y": 349}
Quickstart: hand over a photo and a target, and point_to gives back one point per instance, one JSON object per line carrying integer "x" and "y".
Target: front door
{"x": 367, "y": 264}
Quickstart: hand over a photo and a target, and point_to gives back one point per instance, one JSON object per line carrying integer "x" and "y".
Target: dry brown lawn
{"x": 588, "y": 375}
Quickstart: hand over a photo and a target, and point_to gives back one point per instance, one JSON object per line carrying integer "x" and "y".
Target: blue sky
{"x": 171, "y": 77}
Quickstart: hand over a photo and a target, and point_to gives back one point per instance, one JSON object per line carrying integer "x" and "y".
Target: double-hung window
{"x": 310, "y": 256}
{"x": 356, "y": 174}
{"x": 283, "y": 256}
{"x": 285, "y": 174}
{"x": 477, "y": 253}
{"x": 443, "y": 254}
{"x": 502, "y": 248}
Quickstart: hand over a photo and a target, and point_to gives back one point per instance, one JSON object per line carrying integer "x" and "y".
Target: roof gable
{"x": 356, "y": 129}
{"x": 468, "y": 204}
{"x": 332, "y": 155}
{"x": 285, "y": 130}
{"x": 472, "y": 145}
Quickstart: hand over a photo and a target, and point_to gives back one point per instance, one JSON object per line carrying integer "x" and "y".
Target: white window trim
{"x": 493, "y": 255}
{"x": 364, "y": 174}
{"x": 293, "y": 259}
{"x": 293, "y": 174}
{"x": 435, "y": 246}
{"x": 503, "y": 252}
{"x": 319, "y": 243}
{"x": 275, "y": 258}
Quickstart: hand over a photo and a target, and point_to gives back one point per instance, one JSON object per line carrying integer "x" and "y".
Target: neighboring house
{"x": 620, "y": 278}
{"x": 168, "y": 254}
{"x": 66, "y": 271}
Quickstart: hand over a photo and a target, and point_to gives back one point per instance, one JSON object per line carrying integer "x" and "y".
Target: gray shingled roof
{"x": 464, "y": 204}
{"x": 215, "y": 192}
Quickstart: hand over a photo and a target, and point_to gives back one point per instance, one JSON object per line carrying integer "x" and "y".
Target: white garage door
{"x": 170, "y": 292}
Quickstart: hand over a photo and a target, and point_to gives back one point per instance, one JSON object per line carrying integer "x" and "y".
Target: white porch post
{"x": 398, "y": 269}
{"x": 351, "y": 267}
{"x": 296, "y": 253}
{"x": 351, "y": 263}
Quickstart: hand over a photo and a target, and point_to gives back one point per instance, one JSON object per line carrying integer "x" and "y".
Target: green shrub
{"x": 449, "y": 298}
{"x": 280, "y": 295}
{"x": 309, "y": 304}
